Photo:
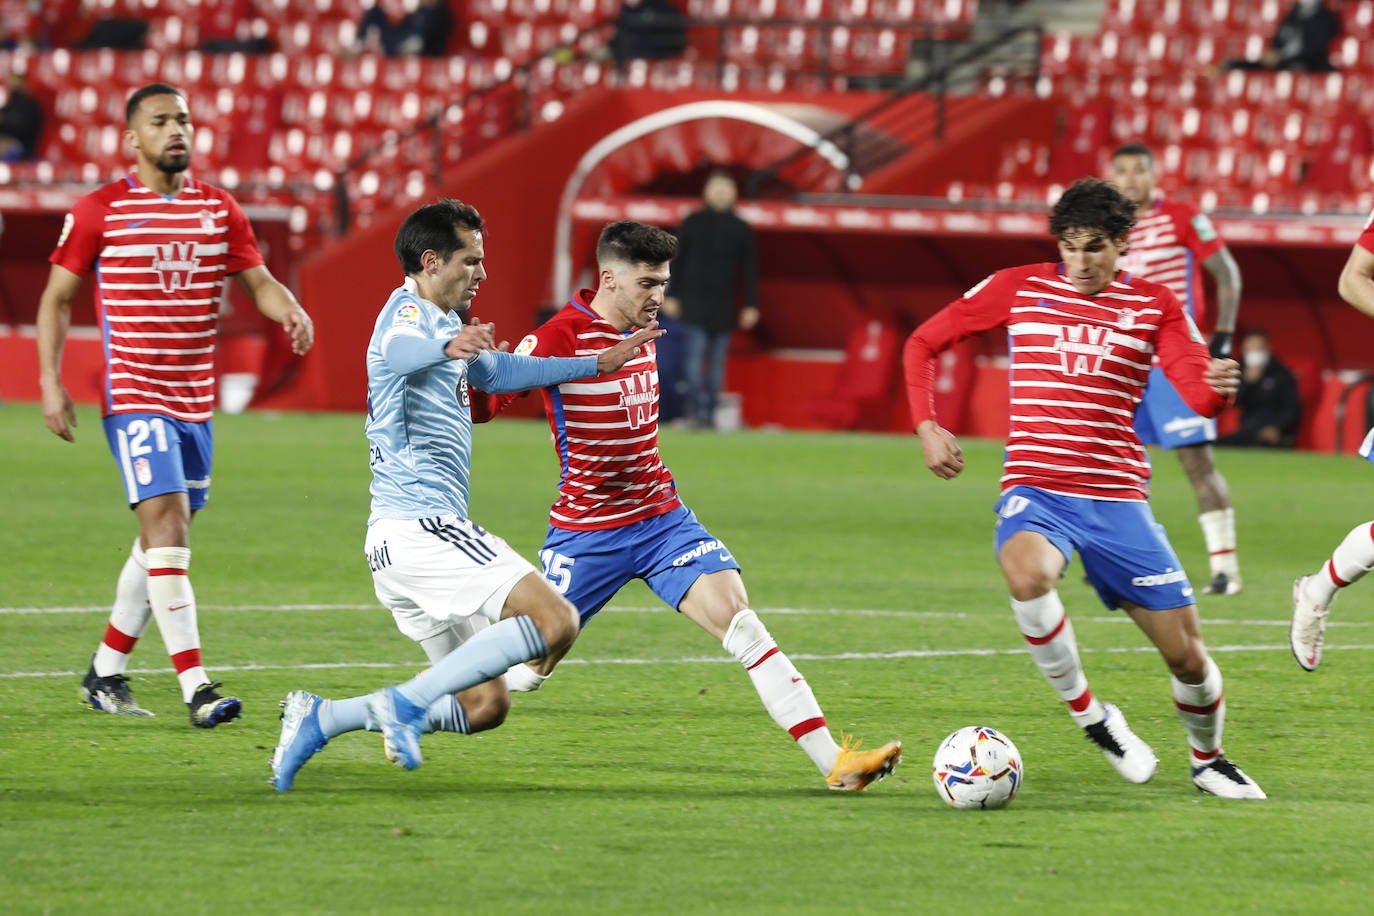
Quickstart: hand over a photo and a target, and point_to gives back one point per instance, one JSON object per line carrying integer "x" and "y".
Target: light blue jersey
{"x": 419, "y": 428}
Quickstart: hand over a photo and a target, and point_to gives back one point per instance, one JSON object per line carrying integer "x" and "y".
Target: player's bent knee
{"x": 559, "y": 624}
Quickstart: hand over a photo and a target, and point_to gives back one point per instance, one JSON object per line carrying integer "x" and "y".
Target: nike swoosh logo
{"x": 135, "y": 223}
{"x": 1187, "y": 593}
{"x": 725, "y": 556}
{"x": 798, "y": 679}
{"x": 178, "y": 607}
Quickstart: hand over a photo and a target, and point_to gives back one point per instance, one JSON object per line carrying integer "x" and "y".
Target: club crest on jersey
{"x": 1083, "y": 347}
{"x": 175, "y": 264}
{"x": 143, "y": 471}
{"x": 637, "y": 397}
{"x": 207, "y": 221}
{"x": 1125, "y": 319}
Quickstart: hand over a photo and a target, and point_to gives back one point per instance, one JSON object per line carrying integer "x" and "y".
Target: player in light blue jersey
{"x": 434, "y": 568}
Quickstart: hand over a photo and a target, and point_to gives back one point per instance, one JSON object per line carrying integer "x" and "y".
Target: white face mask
{"x": 1256, "y": 359}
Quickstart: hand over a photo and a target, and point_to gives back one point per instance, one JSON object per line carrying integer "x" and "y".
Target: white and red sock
{"x": 129, "y": 616}
{"x": 1351, "y": 559}
{"x": 1049, "y": 635}
{"x": 1219, "y": 534}
{"x": 1202, "y": 707}
{"x": 174, "y": 605}
{"x": 784, "y": 692}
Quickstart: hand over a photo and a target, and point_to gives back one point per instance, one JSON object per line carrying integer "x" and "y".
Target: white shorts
{"x": 433, "y": 572}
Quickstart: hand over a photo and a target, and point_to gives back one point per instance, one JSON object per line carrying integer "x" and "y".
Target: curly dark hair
{"x": 630, "y": 242}
{"x": 1091, "y": 203}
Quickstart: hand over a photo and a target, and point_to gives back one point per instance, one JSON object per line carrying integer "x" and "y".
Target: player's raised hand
{"x": 473, "y": 339}
{"x": 1223, "y": 375}
{"x": 942, "y": 453}
{"x": 59, "y": 412}
{"x": 612, "y": 359}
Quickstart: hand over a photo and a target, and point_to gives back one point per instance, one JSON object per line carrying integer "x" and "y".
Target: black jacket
{"x": 715, "y": 263}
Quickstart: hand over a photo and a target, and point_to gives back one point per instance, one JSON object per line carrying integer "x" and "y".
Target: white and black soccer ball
{"x": 978, "y": 767}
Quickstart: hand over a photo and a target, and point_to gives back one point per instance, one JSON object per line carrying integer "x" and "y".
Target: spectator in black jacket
{"x": 714, "y": 289}
{"x": 21, "y": 121}
{"x": 648, "y": 30}
{"x": 1269, "y": 403}
{"x": 1301, "y": 42}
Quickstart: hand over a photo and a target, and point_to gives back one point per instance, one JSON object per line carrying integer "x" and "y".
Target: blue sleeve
{"x": 498, "y": 372}
{"x": 407, "y": 353}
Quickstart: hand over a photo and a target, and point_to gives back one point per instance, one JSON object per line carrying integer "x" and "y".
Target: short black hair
{"x": 1134, "y": 149}
{"x": 435, "y": 227}
{"x": 1091, "y": 203}
{"x": 147, "y": 92}
{"x": 635, "y": 243}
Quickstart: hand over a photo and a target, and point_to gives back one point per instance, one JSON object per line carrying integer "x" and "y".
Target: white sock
{"x": 525, "y": 679}
{"x": 174, "y": 605}
{"x": 1352, "y": 558}
{"x": 784, "y": 692}
{"x": 129, "y": 616}
{"x": 1202, "y": 707}
{"x": 1049, "y": 634}
{"x": 1219, "y": 533}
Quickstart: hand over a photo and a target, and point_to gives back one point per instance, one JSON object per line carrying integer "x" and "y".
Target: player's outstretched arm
{"x": 613, "y": 358}
{"x": 1357, "y": 280}
{"x": 277, "y": 302}
{"x": 942, "y": 453}
{"x": 54, "y": 318}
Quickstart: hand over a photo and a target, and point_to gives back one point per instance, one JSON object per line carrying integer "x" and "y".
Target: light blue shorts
{"x": 157, "y": 454}
{"x": 669, "y": 552}
{"x": 1126, "y": 554}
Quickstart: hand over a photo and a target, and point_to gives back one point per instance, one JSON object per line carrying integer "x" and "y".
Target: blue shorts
{"x": 1126, "y": 554}
{"x": 669, "y": 552}
{"x": 158, "y": 454}
{"x": 1163, "y": 418}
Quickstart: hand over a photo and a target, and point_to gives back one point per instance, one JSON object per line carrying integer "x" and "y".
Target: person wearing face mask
{"x": 1268, "y": 399}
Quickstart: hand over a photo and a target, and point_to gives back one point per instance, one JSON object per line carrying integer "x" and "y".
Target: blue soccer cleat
{"x": 301, "y": 737}
{"x": 400, "y": 721}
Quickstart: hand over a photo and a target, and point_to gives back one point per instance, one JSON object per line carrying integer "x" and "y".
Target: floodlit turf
{"x": 646, "y": 778}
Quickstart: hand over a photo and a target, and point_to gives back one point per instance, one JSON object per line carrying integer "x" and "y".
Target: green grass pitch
{"x": 645, "y": 777}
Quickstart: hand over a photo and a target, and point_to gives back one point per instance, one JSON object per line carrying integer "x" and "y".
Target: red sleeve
{"x": 986, "y": 306}
{"x": 1366, "y": 239}
{"x": 1184, "y": 358}
{"x": 243, "y": 244}
{"x": 83, "y": 234}
{"x": 1197, "y": 232}
{"x": 544, "y": 341}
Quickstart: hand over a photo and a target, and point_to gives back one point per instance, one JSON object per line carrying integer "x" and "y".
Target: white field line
{"x": 661, "y": 609}
{"x": 685, "y": 660}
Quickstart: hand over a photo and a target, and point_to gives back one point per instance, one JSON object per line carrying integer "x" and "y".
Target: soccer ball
{"x": 978, "y": 767}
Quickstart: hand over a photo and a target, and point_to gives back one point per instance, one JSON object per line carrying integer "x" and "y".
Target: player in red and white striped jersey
{"x": 618, "y": 516}
{"x": 1354, "y": 555}
{"x": 161, "y": 245}
{"x": 1172, "y": 243}
{"x": 1082, "y": 338}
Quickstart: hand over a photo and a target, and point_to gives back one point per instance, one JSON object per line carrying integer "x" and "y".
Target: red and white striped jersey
{"x": 160, "y": 265}
{"x": 1078, "y": 368}
{"x": 605, "y": 429}
{"x": 1168, "y": 245}
{"x": 1366, "y": 239}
